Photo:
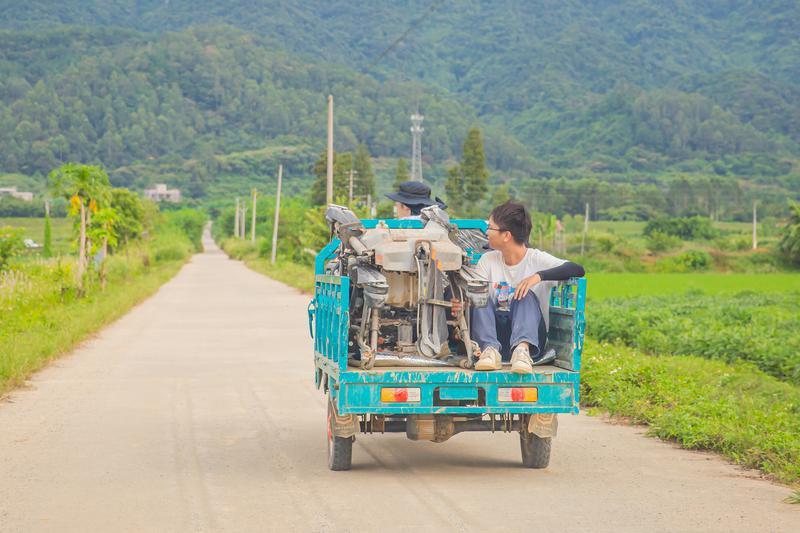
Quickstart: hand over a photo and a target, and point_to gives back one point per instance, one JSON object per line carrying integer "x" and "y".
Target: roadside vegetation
{"x": 51, "y": 301}
{"x": 732, "y": 408}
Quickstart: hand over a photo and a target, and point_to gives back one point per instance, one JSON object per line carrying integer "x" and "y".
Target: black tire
{"x": 340, "y": 450}
{"x": 535, "y": 450}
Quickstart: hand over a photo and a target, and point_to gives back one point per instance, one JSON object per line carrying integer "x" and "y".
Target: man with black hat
{"x": 411, "y": 197}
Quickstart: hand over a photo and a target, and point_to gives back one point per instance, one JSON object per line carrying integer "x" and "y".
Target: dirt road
{"x": 197, "y": 412}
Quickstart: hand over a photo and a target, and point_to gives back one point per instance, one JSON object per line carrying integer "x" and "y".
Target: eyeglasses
{"x": 489, "y": 228}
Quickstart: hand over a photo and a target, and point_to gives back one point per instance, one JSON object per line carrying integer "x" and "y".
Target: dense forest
{"x": 650, "y": 98}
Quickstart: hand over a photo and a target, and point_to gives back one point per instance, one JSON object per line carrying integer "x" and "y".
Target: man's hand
{"x": 526, "y": 285}
{"x": 458, "y": 306}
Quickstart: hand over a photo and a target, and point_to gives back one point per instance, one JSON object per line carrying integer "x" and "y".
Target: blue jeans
{"x": 504, "y": 330}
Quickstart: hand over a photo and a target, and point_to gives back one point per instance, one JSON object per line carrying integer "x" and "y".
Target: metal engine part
{"x": 430, "y": 427}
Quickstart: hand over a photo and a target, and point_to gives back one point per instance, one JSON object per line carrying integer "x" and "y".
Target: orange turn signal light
{"x": 400, "y": 394}
{"x": 518, "y": 394}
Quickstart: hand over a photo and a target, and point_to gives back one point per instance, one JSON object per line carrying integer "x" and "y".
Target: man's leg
{"x": 484, "y": 326}
{"x": 527, "y": 324}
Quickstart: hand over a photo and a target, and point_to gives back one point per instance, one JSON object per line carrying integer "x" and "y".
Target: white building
{"x": 12, "y": 192}
{"x": 160, "y": 193}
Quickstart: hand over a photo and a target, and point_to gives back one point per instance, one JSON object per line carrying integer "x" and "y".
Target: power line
{"x": 413, "y": 25}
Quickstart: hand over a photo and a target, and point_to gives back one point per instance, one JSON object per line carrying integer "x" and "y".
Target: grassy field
{"x": 603, "y": 285}
{"x": 33, "y": 228}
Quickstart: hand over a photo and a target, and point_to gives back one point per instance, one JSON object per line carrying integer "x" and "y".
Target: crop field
{"x": 602, "y": 285}
{"x": 760, "y": 328}
{"x": 33, "y": 228}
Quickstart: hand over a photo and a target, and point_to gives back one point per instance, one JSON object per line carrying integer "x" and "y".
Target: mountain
{"x": 614, "y": 90}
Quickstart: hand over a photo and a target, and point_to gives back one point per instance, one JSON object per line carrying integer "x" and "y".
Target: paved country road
{"x": 197, "y": 412}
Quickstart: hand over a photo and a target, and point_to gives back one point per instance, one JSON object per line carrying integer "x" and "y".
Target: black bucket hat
{"x": 415, "y": 193}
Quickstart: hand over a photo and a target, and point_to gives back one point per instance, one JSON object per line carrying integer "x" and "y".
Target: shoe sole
{"x": 521, "y": 369}
{"x": 487, "y": 368}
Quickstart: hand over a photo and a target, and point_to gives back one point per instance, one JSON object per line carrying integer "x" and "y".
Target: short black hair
{"x": 416, "y": 209}
{"x": 514, "y": 217}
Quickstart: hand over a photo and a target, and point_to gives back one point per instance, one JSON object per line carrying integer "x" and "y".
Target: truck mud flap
{"x": 543, "y": 425}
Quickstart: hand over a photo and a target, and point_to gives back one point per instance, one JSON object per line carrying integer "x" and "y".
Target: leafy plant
{"x": 11, "y": 244}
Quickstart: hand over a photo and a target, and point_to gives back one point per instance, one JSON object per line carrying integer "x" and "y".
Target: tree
{"x": 401, "y": 174}
{"x": 87, "y": 189}
{"x": 467, "y": 183}
{"x": 342, "y": 162}
{"x": 473, "y": 169}
{"x": 790, "y": 239}
{"x": 130, "y": 214}
{"x": 47, "y": 249}
{"x": 364, "y": 182}
{"x": 103, "y": 231}
{"x": 454, "y": 188}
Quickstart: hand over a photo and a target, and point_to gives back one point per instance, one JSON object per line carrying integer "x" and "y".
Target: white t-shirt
{"x": 503, "y": 279}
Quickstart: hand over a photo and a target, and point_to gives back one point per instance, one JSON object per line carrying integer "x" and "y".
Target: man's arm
{"x": 562, "y": 272}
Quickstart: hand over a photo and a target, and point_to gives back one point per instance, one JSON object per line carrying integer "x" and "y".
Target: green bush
{"x": 658, "y": 242}
{"x": 733, "y": 244}
{"x": 171, "y": 243}
{"x": 11, "y": 244}
{"x": 191, "y": 222}
{"x": 689, "y": 261}
{"x": 689, "y": 228}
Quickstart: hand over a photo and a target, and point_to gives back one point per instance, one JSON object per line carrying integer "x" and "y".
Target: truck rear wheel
{"x": 340, "y": 449}
{"x": 535, "y": 450}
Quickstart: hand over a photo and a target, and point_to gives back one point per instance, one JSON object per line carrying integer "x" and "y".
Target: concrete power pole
{"x": 236, "y": 220}
{"x": 350, "y": 195}
{"x": 277, "y": 216}
{"x": 253, "y": 221}
{"x": 416, "y": 146}
{"x": 585, "y": 228}
{"x": 755, "y": 225}
{"x": 329, "y": 195}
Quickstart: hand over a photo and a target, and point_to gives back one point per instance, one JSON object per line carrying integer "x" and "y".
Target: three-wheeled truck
{"x": 374, "y": 315}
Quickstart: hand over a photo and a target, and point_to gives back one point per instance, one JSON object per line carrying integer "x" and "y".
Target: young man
{"x": 515, "y": 321}
{"x": 410, "y": 198}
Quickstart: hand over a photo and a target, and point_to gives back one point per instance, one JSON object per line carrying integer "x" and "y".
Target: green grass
{"x": 603, "y": 285}
{"x": 43, "y": 316}
{"x": 33, "y": 228}
{"x": 734, "y": 409}
{"x": 293, "y": 274}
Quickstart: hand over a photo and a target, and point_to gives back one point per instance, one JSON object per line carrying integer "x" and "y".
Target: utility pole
{"x": 351, "y": 184}
{"x": 755, "y": 225}
{"x": 329, "y": 195}
{"x": 585, "y": 228}
{"x": 243, "y": 219}
{"x": 416, "y": 146}
{"x": 253, "y": 221}
{"x": 277, "y": 216}
{"x": 236, "y": 220}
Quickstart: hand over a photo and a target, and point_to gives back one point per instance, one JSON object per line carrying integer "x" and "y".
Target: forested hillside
{"x": 640, "y": 92}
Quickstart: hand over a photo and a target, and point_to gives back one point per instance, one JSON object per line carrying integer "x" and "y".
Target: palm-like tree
{"x": 790, "y": 241}
{"x": 88, "y": 189}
